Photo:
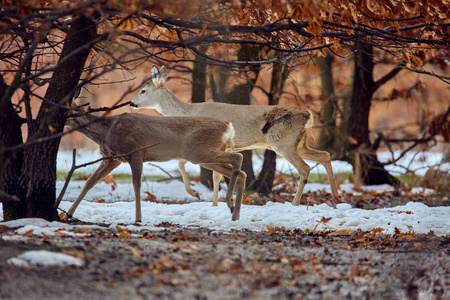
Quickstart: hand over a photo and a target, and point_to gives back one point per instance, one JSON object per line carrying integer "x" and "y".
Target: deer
{"x": 137, "y": 138}
{"x": 283, "y": 129}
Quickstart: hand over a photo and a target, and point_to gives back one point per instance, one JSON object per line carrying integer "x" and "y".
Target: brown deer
{"x": 282, "y": 129}
{"x": 138, "y": 138}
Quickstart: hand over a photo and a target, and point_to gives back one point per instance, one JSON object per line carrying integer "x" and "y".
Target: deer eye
{"x": 143, "y": 92}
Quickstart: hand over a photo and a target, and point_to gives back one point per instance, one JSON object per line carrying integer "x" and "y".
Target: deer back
{"x": 173, "y": 137}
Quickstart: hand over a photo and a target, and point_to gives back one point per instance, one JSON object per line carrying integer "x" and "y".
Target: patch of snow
{"x": 44, "y": 258}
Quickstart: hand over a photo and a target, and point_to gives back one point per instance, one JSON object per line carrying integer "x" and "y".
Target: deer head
{"x": 153, "y": 90}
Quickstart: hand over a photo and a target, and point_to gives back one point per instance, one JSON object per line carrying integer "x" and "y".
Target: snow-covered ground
{"x": 119, "y": 205}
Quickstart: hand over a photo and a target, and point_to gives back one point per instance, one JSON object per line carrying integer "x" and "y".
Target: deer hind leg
{"x": 302, "y": 169}
{"x": 187, "y": 185}
{"x": 235, "y": 160}
{"x": 216, "y": 182}
{"x": 228, "y": 171}
{"x": 104, "y": 169}
{"x": 136, "y": 162}
{"x": 323, "y": 158}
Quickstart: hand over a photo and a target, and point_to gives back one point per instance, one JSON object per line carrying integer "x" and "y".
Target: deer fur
{"x": 282, "y": 129}
{"x": 200, "y": 140}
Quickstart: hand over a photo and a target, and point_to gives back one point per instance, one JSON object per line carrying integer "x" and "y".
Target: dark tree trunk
{"x": 327, "y": 117}
{"x": 36, "y": 187}
{"x": 264, "y": 183}
{"x": 199, "y": 95}
{"x": 371, "y": 170}
{"x": 10, "y": 135}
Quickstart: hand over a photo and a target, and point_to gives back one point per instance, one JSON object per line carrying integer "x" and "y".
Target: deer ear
{"x": 155, "y": 75}
{"x": 163, "y": 73}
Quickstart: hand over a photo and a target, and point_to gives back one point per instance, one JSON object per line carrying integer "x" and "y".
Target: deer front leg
{"x": 104, "y": 169}
{"x": 136, "y": 175}
{"x": 187, "y": 185}
{"x": 303, "y": 170}
{"x": 240, "y": 189}
{"x": 322, "y": 158}
{"x": 216, "y": 184}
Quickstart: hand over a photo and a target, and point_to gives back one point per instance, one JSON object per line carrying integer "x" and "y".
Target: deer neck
{"x": 172, "y": 106}
{"x": 91, "y": 126}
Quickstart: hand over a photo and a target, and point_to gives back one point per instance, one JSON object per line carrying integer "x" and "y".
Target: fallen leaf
{"x": 194, "y": 247}
{"x": 59, "y": 233}
{"x": 135, "y": 251}
{"x": 110, "y": 180}
{"x": 150, "y": 196}
{"x": 28, "y": 233}
{"x": 342, "y": 232}
{"x": 182, "y": 238}
{"x": 246, "y": 200}
{"x": 110, "y": 285}
{"x": 325, "y": 220}
{"x": 179, "y": 245}
{"x": 136, "y": 272}
{"x": 99, "y": 200}
{"x": 118, "y": 228}
{"x": 124, "y": 234}
{"x": 82, "y": 230}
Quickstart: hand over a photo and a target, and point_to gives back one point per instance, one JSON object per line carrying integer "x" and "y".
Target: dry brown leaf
{"x": 150, "y": 196}
{"x": 59, "y": 233}
{"x": 99, "y": 200}
{"x": 28, "y": 233}
{"x": 179, "y": 245}
{"x": 342, "y": 232}
{"x": 118, "y": 228}
{"x": 124, "y": 235}
{"x": 62, "y": 215}
{"x": 135, "y": 251}
{"x": 182, "y": 238}
{"x": 325, "y": 220}
{"x": 110, "y": 180}
{"x": 82, "y": 229}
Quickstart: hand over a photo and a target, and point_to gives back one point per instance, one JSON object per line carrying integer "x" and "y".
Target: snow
{"x": 119, "y": 207}
{"x": 44, "y": 258}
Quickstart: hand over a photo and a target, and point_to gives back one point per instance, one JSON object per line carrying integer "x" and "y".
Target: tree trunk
{"x": 199, "y": 95}
{"x": 36, "y": 187}
{"x": 327, "y": 117}
{"x": 372, "y": 171}
{"x": 10, "y": 135}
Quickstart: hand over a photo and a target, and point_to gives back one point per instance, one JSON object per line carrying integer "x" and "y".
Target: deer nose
{"x": 133, "y": 105}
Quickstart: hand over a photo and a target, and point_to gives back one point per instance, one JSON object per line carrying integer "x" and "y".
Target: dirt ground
{"x": 197, "y": 263}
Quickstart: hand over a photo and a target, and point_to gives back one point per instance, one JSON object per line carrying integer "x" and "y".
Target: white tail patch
{"x": 229, "y": 134}
{"x": 310, "y": 121}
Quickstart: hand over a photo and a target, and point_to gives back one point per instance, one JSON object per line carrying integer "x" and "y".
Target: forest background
{"x": 349, "y": 62}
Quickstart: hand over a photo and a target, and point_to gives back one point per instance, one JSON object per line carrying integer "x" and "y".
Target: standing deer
{"x": 282, "y": 129}
{"x": 138, "y": 138}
